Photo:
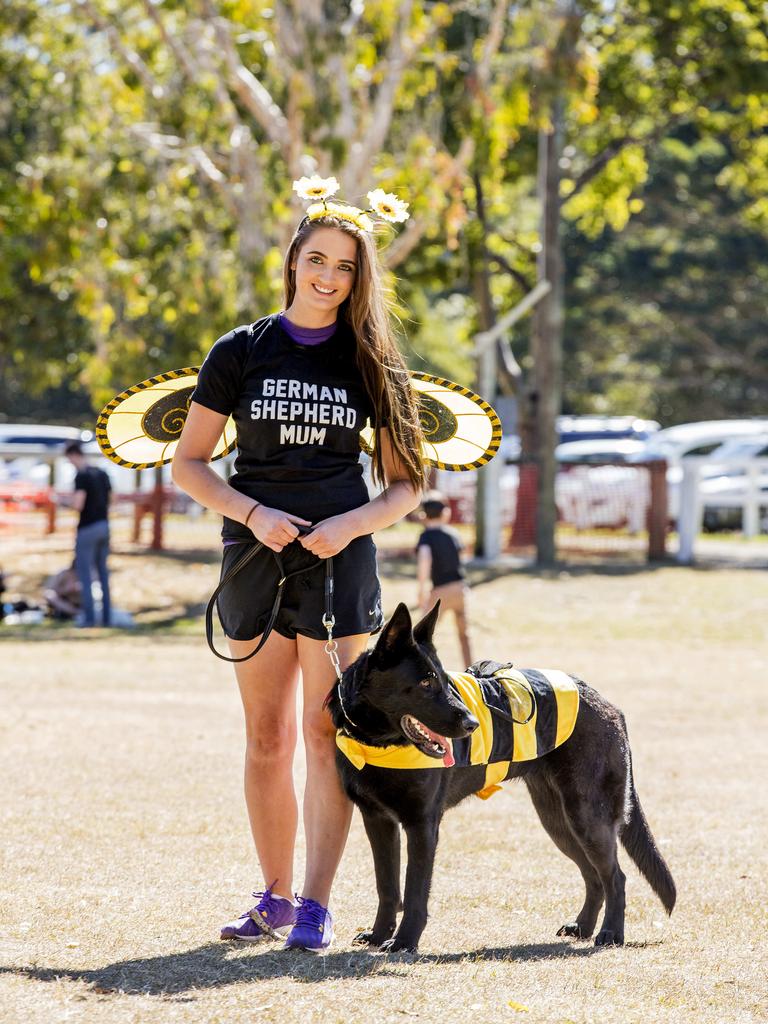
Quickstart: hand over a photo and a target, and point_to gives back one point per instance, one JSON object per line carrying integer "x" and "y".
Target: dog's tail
{"x": 638, "y": 841}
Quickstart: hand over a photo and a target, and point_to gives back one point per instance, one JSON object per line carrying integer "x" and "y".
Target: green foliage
{"x": 145, "y": 186}
{"x": 609, "y": 201}
{"x": 667, "y": 319}
{"x": 441, "y": 329}
{"x": 42, "y": 335}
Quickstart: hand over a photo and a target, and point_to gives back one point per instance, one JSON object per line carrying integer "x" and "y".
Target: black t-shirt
{"x": 445, "y": 545}
{"x": 299, "y": 410}
{"x": 96, "y": 485}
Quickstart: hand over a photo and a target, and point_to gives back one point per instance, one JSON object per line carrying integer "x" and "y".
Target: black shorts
{"x": 245, "y": 603}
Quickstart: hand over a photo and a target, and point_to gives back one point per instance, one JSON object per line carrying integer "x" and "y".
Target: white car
{"x": 34, "y": 437}
{"x": 599, "y": 450}
{"x": 590, "y": 494}
{"x": 722, "y": 460}
{"x": 604, "y": 434}
{"x": 734, "y": 451}
{"x": 723, "y": 482}
{"x": 722, "y": 499}
{"x": 689, "y": 439}
{"x": 604, "y": 428}
{"x": 675, "y": 443}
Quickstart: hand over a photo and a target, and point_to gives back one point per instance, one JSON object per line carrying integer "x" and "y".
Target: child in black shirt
{"x": 440, "y": 572}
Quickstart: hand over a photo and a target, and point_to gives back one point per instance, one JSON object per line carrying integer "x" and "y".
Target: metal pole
{"x": 489, "y": 476}
{"x": 485, "y": 338}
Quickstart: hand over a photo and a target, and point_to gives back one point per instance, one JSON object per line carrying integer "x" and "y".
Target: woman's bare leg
{"x": 268, "y": 690}
{"x": 327, "y": 811}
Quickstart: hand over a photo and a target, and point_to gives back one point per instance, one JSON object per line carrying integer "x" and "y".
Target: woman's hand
{"x": 329, "y": 537}
{"x": 274, "y": 528}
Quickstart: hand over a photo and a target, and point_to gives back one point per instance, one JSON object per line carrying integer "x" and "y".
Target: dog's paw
{"x": 572, "y": 930}
{"x": 395, "y": 945}
{"x": 605, "y": 937}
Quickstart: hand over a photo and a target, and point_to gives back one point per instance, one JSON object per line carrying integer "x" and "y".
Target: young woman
{"x": 300, "y": 385}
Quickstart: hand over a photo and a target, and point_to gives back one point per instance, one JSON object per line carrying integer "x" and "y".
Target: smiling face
{"x": 324, "y": 269}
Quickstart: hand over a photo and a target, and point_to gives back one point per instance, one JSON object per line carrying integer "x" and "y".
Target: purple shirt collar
{"x": 306, "y": 335}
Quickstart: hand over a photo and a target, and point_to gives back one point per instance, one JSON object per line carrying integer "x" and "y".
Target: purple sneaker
{"x": 313, "y": 929}
{"x": 271, "y": 918}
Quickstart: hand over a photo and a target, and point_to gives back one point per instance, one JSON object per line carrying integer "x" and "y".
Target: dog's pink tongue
{"x": 448, "y": 759}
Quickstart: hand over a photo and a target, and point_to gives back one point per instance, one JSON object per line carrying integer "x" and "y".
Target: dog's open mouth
{"x": 428, "y": 742}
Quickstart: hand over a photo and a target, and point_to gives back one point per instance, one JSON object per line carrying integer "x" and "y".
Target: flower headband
{"x": 383, "y": 204}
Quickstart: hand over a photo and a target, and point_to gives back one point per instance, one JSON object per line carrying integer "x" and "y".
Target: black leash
{"x": 254, "y": 547}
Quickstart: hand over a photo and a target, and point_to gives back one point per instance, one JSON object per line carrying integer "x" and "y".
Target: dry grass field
{"x": 125, "y": 842}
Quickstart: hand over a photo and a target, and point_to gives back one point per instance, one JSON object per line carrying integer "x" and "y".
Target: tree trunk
{"x": 547, "y": 340}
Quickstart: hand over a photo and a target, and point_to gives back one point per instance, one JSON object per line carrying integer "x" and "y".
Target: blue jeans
{"x": 91, "y": 550}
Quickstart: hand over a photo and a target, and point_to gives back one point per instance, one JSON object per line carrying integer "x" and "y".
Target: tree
{"x": 42, "y": 334}
{"x": 656, "y": 67}
{"x": 666, "y": 318}
{"x": 180, "y": 133}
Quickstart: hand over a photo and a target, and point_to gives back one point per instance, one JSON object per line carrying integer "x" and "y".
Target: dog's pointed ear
{"x": 423, "y": 631}
{"x": 397, "y": 631}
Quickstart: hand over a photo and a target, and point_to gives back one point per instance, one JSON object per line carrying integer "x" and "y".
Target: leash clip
{"x": 331, "y": 647}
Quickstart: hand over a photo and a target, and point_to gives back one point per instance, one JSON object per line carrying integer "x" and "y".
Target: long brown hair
{"x": 381, "y": 364}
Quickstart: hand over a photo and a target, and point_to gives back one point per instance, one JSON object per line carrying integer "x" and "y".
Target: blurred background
{"x": 604, "y": 164}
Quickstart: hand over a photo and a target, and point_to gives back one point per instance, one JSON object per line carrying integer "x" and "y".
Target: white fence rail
{"x": 708, "y": 485}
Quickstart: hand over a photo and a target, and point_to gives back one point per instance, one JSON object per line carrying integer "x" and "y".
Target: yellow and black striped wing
{"x": 141, "y": 426}
{"x": 461, "y": 430}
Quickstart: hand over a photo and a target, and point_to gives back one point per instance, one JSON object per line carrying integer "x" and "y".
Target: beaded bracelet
{"x": 253, "y": 509}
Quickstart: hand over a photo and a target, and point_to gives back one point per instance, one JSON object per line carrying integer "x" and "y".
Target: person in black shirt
{"x": 91, "y": 499}
{"x": 300, "y": 386}
{"x": 439, "y": 569}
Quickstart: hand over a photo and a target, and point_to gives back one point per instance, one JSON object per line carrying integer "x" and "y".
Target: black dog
{"x": 399, "y": 696}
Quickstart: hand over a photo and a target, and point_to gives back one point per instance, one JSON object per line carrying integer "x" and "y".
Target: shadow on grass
{"x": 216, "y": 965}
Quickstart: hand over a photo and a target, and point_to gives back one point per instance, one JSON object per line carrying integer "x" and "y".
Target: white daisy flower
{"x": 388, "y": 206}
{"x": 315, "y": 187}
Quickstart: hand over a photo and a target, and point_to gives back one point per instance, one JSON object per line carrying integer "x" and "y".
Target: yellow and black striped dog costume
{"x": 523, "y": 714}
